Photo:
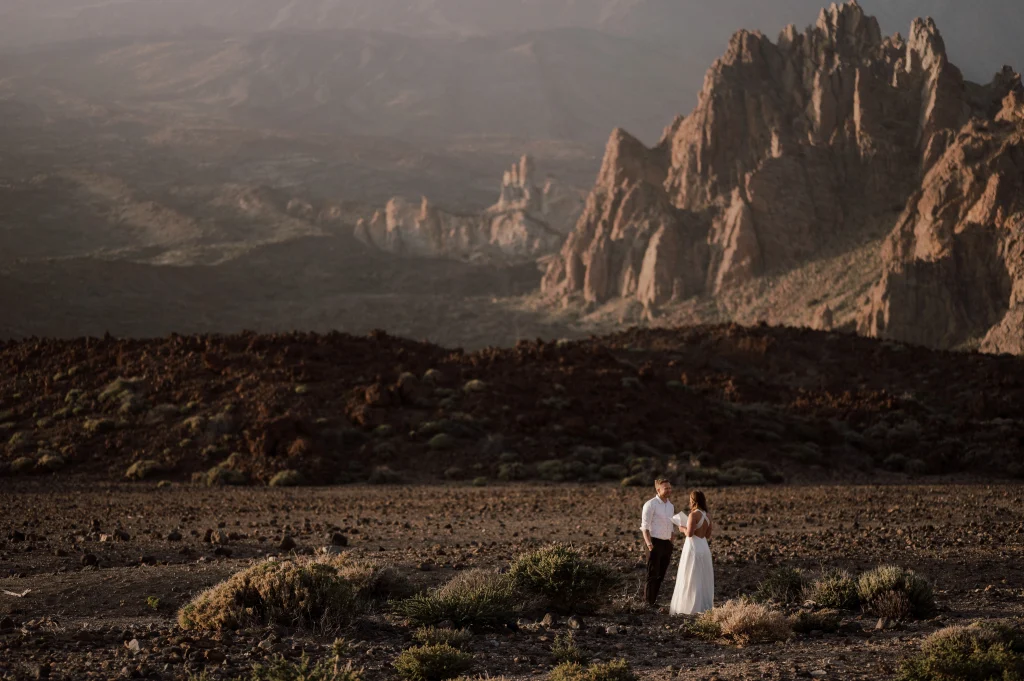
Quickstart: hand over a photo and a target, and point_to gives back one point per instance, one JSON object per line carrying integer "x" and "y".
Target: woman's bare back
{"x": 699, "y": 525}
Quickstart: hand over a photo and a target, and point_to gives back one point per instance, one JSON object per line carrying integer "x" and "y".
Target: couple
{"x": 695, "y": 581}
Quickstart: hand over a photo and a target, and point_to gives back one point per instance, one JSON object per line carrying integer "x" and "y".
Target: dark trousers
{"x": 657, "y": 565}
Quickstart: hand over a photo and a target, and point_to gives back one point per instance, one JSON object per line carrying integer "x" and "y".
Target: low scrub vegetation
{"x": 477, "y": 599}
{"x": 565, "y": 649}
{"x": 617, "y": 670}
{"x": 784, "y": 585}
{"x": 991, "y": 651}
{"x": 834, "y": 588}
{"x": 322, "y": 593}
{"x": 289, "y": 478}
{"x": 562, "y": 579}
{"x": 893, "y": 592}
{"x": 438, "y": 662}
{"x": 304, "y": 669}
{"x": 821, "y": 620}
{"x": 433, "y": 636}
{"x": 742, "y": 622}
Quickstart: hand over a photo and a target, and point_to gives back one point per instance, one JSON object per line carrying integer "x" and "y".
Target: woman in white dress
{"x": 695, "y": 581}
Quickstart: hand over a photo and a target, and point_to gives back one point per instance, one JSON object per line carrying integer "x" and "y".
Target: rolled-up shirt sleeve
{"x": 647, "y": 516}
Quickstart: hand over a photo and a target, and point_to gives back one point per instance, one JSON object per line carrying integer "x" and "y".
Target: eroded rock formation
{"x": 530, "y": 219}
{"x": 794, "y": 147}
{"x": 954, "y": 265}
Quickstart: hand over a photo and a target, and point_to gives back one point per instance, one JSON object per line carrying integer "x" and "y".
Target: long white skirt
{"x": 695, "y": 581}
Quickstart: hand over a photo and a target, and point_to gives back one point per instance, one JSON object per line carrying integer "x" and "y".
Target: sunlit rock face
{"x": 794, "y": 146}
{"x": 531, "y": 218}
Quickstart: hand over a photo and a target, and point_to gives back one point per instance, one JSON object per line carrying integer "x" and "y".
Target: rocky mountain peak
{"x": 796, "y": 149}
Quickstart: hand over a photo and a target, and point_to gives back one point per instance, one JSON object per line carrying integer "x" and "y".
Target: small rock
{"x": 147, "y": 560}
{"x": 222, "y": 551}
{"x": 287, "y": 544}
{"x": 43, "y": 671}
{"x": 338, "y": 539}
{"x": 215, "y": 656}
{"x": 121, "y": 535}
{"x": 819, "y": 674}
{"x": 89, "y": 560}
{"x": 133, "y": 646}
{"x": 6, "y": 624}
{"x": 174, "y": 535}
{"x": 575, "y": 622}
{"x": 612, "y": 630}
{"x": 549, "y": 620}
{"x": 882, "y": 624}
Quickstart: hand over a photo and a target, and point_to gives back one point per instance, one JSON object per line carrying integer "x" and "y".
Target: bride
{"x": 695, "y": 581}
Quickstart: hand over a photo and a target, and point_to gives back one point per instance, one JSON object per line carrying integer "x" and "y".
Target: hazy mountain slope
{"x": 981, "y": 37}
{"x": 566, "y": 84}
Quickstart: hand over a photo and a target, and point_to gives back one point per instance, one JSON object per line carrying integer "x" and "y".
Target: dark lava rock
{"x": 338, "y": 539}
{"x": 6, "y": 624}
{"x": 287, "y": 544}
{"x": 174, "y": 535}
{"x": 89, "y": 559}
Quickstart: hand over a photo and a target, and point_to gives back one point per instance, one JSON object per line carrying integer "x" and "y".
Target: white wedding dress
{"x": 695, "y": 581}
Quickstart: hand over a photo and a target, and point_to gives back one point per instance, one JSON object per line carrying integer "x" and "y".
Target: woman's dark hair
{"x": 697, "y": 500}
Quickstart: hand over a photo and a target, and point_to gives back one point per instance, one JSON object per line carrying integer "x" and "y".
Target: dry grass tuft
{"x": 988, "y": 651}
{"x": 896, "y": 593}
{"x": 438, "y": 662}
{"x": 743, "y": 622}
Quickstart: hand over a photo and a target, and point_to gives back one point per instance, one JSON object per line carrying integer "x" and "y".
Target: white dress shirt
{"x": 657, "y": 518}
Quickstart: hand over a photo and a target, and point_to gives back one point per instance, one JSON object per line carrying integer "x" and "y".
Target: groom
{"x": 656, "y": 524}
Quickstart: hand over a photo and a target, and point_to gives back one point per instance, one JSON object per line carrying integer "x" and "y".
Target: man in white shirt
{"x": 656, "y": 524}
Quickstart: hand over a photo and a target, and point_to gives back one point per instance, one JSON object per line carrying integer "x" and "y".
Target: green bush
{"x": 51, "y": 462}
{"x": 783, "y": 585}
{"x": 617, "y": 670}
{"x": 745, "y": 466}
{"x": 382, "y": 475}
{"x": 822, "y": 620}
{"x": 222, "y": 476}
{"x": 476, "y": 599}
{"x": 638, "y": 480}
{"x": 281, "y": 669}
{"x": 289, "y": 478}
{"x": 301, "y": 593}
{"x": 836, "y": 589}
{"x": 146, "y": 468}
{"x": 891, "y": 591}
{"x": 434, "y": 636}
{"x": 512, "y": 471}
{"x": 613, "y": 471}
{"x": 562, "y": 578}
{"x": 564, "y": 649}
{"x": 433, "y": 663}
{"x": 23, "y": 464}
{"x": 991, "y": 651}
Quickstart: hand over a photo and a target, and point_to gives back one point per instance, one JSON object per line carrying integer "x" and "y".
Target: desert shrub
{"x": 915, "y": 467}
{"x": 296, "y": 593}
{"x": 435, "y": 636}
{"x": 51, "y": 462}
{"x": 23, "y": 464}
{"x": 480, "y": 482}
{"x": 783, "y": 585}
{"x": 280, "y": 669}
{"x": 743, "y": 622}
{"x": 991, "y": 651}
{"x": 896, "y": 593}
{"x": 222, "y": 476}
{"x": 454, "y": 473}
{"x": 564, "y": 649}
{"x": 821, "y": 620}
{"x": 638, "y": 480}
{"x": 613, "y": 471}
{"x": 382, "y": 475}
{"x": 740, "y": 476}
{"x": 289, "y": 478}
{"x": 433, "y": 663}
{"x": 99, "y": 426}
{"x": 766, "y": 471}
{"x": 834, "y": 588}
{"x": 553, "y": 470}
{"x": 140, "y": 470}
{"x": 562, "y": 578}
{"x": 475, "y": 599}
{"x": 895, "y": 463}
{"x": 512, "y": 471}
{"x": 617, "y": 670}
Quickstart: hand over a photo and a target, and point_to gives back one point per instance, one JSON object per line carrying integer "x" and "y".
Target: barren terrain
{"x": 76, "y": 620}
